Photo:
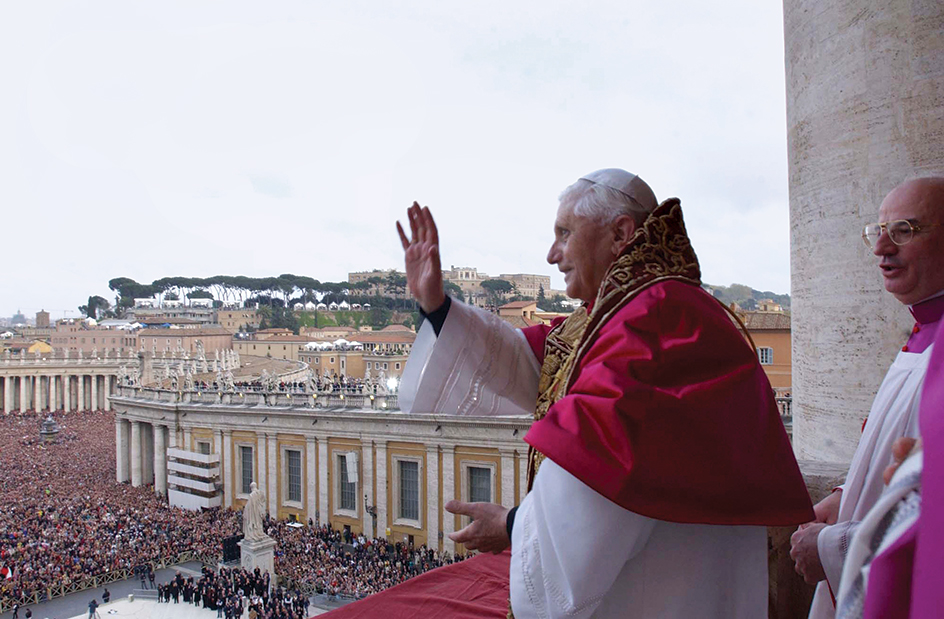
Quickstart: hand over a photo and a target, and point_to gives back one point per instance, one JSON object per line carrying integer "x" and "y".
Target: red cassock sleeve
{"x": 671, "y": 416}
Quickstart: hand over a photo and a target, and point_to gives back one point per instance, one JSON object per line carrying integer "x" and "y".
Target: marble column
{"x": 188, "y": 440}
{"x": 160, "y": 461}
{"x": 311, "y": 477}
{"x": 507, "y": 477}
{"x": 135, "y": 453}
{"x": 147, "y": 454}
{"x": 80, "y": 399}
{"x": 229, "y": 488}
{"x": 865, "y": 111}
{"x": 382, "y": 489}
{"x": 432, "y": 496}
{"x": 107, "y": 395}
{"x": 7, "y": 394}
{"x": 260, "y": 476}
{"x": 24, "y": 394}
{"x": 449, "y": 493}
{"x": 94, "y": 405}
{"x": 273, "y": 470}
{"x": 122, "y": 463}
{"x": 367, "y": 485}
{"x": 66, "y": 392}
{"x": 37, "y": 393}
{"x": 323, "y": 481}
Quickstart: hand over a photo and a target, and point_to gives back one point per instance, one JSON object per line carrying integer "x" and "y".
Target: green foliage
{"x": 454, "y": 290}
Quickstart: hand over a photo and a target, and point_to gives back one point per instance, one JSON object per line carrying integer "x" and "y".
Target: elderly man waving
{"x": 657, "y": 456}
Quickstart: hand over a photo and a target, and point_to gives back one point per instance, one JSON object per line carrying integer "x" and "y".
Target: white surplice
{"x": 575, "y": 553}
{"x": 894, "y": 414}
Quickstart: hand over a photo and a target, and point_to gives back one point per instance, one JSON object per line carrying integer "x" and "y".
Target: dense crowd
{"x": 65, "y": 519}
{"x": 337, "y": 563}
{"x": 233, "y": 592}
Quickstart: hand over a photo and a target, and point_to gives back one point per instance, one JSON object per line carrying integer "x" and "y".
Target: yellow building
{"x": 379, "y": 472}
{"x": 771, "y": 334}
{"x": 234, "y": 320}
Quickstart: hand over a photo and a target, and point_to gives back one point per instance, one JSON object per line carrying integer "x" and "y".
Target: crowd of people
{"x": 235, "y": 592}
{"x": 338, "y": 563}
{"x": 65, "y": 519}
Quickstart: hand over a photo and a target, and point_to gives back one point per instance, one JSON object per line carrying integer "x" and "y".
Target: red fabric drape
{"x": 476, "y": 588}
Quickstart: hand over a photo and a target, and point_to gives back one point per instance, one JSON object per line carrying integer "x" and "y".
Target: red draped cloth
{"x": 476, "y": 588}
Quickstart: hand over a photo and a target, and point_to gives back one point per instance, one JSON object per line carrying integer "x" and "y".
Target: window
{"x": 332, "y": 359}
{"x": 409, "y": 490}
{"x": 347, "y": 482}
{"x": 245, "y": 466}
{"x": 766, "y": 355}
{"x": 397, "y": 365}
{"x": 480, "y": 485}
{"x": 203, "y": 447}
{"x": 317, "y": 360}
{"x": 294, "y": 468}
{"x": 385, "y": 365}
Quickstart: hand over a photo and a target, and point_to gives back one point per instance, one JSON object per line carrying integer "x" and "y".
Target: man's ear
{"x": 623, "y": 229}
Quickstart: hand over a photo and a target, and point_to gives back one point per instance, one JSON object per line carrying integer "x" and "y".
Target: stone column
{"x": 432, "y": 496}
{"x": 107, "y": 395}
{"x": 51, "y": 393}
{"x": 449, "y": 493}
{"x": 24, "y": 394}
{"x": 382, "y": 510}
{"x": 260, "y": 477}
{"x": 95, "y": 405}
{"x": 311, "y": 477}
{"x": 80, "y": 400}
{"x": 37, "y": 393}
{"x": 229, "y": 488}
{"x": 7, "y": 395}
{"x": 160, "y": 461}
{"x": 66, "y": 392}
{"x": 323, "y": 481}
{"x": 188, "y": 440}
{"x": 507, "y": 477}
{"x": 147, "y": 454}
{"x": 855, "y": 129}
{"x": 273, "y": 470}
{"x": 135, "y": 453}
{"x": 122, "y": 463}
{"x": 367, "y": 484}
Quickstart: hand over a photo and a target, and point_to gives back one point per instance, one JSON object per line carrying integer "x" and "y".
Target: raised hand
{"x": 423, "y": 268}
{"x": 487, "y": 531}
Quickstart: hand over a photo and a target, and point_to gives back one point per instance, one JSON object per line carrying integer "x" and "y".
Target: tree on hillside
{"x": 496, "y": 289}
{"x": 454, "y": 290}
{"x": 95, "y": 307}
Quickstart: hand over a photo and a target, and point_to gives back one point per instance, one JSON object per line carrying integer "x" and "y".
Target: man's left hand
{"x": 804, "y": 551}
{"x": 486, "y": 532}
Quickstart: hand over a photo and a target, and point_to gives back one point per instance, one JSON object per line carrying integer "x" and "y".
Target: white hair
{"x": 603, "y": 204}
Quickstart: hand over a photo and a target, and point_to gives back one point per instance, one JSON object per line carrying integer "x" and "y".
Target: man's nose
{"x": 884, "y": 245}
{"x": 553, "y": 255}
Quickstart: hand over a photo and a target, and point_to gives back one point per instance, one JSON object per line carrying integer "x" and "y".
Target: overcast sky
{"x": 191, "y": 138}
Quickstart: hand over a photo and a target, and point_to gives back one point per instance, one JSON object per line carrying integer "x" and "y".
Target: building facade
{"x": 380, "y": 472}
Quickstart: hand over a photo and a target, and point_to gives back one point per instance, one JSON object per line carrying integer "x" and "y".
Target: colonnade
{"x": 141, "y": 453}
{"x": 56, "y": 390}
{"x": 142, "y": 460}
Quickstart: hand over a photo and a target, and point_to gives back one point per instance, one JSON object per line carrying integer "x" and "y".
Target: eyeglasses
{"x": 901, "y": 231}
